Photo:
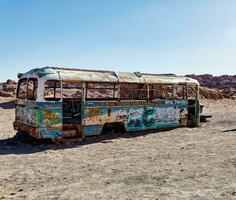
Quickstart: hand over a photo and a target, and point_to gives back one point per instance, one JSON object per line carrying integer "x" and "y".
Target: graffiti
{"x": 93, "y": 112}
{"x": 38, "y": 117}
{"x": 122, "y": 117}
{"x": 171, "y": 115}
{"x": 167, "y": 113}
{"x": 134, "y": 117}
{"x": 148, "y": 117}
{"x": 25, "y": 114}
{"x": 160, "y": 114}
{"x": 51, "y": 117}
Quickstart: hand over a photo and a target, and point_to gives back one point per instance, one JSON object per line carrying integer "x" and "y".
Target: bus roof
{"x": 84, "y": 75}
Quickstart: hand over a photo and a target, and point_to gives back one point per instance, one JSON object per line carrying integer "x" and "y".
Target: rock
{"x": 10, "y": 82}
{"x": 233, "y": 97}
{"x": 7, "y": 94}
{"x": 8, "y": 89}
{"x": 216, "y": 87}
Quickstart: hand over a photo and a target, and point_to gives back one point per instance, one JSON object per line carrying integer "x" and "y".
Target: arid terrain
{"x": 183, "y": 163}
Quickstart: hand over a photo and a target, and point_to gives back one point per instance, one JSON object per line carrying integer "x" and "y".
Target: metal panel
{"x": 136, "y": 115}
{"x": 82, "y": 75}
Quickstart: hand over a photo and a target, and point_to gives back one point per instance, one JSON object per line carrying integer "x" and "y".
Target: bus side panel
{"x": 92, "y": 130}
{"x": 168, "y": 113}
{"x": 44, "y": 117}
{"x": 136, "y": 116}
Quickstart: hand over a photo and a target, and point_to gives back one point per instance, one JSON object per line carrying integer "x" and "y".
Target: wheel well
{"x": 113, "y": 127}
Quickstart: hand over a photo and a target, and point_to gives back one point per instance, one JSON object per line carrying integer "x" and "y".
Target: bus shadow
{"x": 229, "y": 130}
{"x": 8, "y": 105}
{"x": 14, "y": 146}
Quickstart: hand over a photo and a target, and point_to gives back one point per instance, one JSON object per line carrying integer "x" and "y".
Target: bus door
{"x": 72, "y": 101}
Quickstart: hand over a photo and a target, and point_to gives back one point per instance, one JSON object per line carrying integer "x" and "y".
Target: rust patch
{"x": 51, "y": 116}
{"x": 93, "y": 112}
{"x": 33, "y": 131}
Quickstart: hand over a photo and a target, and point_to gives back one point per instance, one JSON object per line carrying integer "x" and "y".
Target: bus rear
{"x": 34, "y": 115}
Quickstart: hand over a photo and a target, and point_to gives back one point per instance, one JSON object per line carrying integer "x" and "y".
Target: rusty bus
{"x": 59, "y": 103}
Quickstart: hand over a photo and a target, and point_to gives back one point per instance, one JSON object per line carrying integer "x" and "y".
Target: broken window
{"x": 180, "y": 91}
{"x": 52, "y": 90}
{"x": 167, "y": 91}
{"x": 101, "y": 91}
{"x": 192, "y": 92}
{"x": 155, "y": 92}
{"x": 32, "y": 89}
{"x": 72, "y": 90}
{"x": 133, "y": 91}
{"x": 22, "y": 89}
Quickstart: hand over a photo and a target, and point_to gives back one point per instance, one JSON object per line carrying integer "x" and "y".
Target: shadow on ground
{"x": 8, "y": 105}
{"x": 229, "y": 130}
{"x": 16, "y": 146}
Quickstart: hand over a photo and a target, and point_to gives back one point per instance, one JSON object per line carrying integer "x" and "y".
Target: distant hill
{"x": 224, "y": 82}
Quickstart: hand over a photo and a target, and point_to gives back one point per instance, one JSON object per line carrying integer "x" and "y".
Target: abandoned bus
{"x": 61, "y": 103}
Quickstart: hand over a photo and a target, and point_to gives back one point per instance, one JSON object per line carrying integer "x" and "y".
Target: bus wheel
{"x": 24, "y": 137}
{"x": 116, "y": 127}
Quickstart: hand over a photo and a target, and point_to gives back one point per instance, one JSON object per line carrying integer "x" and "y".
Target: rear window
{"x": 52, "y": 90}
{"x": 32, "y": 89}
{"x": 22, "y": 89}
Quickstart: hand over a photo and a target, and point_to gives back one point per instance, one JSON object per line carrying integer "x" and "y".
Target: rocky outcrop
{"x": 210, "y": 93}
{"x": 216, "y": 87}
{"x": 224, "y": 82}
{"x": 8, "y": 88}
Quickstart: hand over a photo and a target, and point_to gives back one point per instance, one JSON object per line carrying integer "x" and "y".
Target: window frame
{"x": 54, "y": 91}
{"x": 18, "y": 88}
{"x": 137, "y": 99}
{"x": 184, "y": 91}
{"x": 151, "y": 89}
{"x": 115, "y": 89}
{"x": 35, "y": 88}
{"x": 74, "y": 87}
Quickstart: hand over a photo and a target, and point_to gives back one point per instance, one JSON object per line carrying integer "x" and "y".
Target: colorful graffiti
{"x": 168, "y": 113}
{"x": 154, "y": 117}
{"x": 47, "y": 120}
{"x": 51, "y": 117}
{"x": 47, "y": 117}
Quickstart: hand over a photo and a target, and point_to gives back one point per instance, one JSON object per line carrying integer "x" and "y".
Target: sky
{"x": 155, "y": 36}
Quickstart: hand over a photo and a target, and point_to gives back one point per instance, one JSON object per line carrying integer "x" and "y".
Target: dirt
{"x": 183, "y": 163}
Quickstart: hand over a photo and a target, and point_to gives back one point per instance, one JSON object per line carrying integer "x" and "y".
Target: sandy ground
{"x": 184, "y": 163}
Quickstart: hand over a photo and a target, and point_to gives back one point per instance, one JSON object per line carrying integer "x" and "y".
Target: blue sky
{"x": 161, "y": 36}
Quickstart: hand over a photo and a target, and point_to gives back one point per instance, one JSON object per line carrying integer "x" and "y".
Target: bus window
{"x": 72, "y": 90}
{"x": 22, "y": 89}
{"x": 32, "y": 89}
{"x": 192, "y": 92}
{"x": 155, "y": 92}
{"x": 52, "y": 90}
{"x": 101, "y": 91}
{"x": 133, "y": 91}
{"x": 180, "y": 91}
{"x": 167, "y": 91}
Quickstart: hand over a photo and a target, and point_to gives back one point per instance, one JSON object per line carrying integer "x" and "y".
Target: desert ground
{"x": 183, "y": 163}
